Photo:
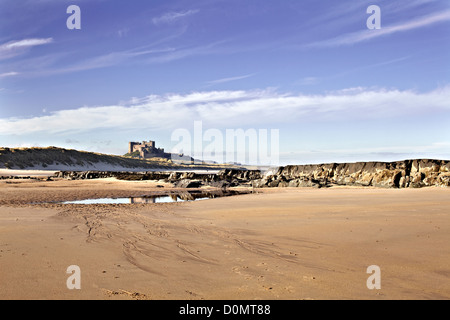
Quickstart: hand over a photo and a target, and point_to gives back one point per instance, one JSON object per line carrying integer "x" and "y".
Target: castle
{"x": 146, "y": 149}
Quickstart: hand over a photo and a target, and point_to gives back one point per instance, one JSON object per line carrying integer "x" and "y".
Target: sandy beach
{"x": 279, "y": 243}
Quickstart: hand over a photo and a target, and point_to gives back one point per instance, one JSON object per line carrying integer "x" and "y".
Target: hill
{"x": 53, "y": 158}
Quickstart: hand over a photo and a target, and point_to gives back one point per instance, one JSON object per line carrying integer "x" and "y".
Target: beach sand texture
{"x": 279, "y": 243}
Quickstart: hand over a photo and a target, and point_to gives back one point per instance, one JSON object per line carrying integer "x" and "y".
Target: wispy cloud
{"x": 48, "y": 65}
{"x": 25, "y": 43}
{"x": 111, "y": 59}
{"x": 123, "y": 32}
{"x": 181, "y": 53}
{"x": 355, "y": 70}
{"x": 230, "y": 79}
{"x": 173, "y": 16}
{"x": 235, "y": 108}
{"x": 158, "y": 51}
{"x": 8, "y": 74}
{"x": 433, "y": 150}
{"x": 16, "y": 47}
{"x": 364, "y": 35}
{"x": 308, "y": 81}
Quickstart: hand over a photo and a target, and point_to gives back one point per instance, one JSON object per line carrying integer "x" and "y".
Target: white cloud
{"x": 25, "y": 43}
{"x": 366, "y": 34}
{"x": 171, "y": 17}
{"x": 231, "y": 109}
{"x": 16, "y": 47}
{"x": 434, "y": 150}
{"x": 308, "y": 81}
{"x": 106, "y": 60}
{"x": 8, "y": 74}
{"x": 181, "y": 53}
{"x": 229, "y": 79}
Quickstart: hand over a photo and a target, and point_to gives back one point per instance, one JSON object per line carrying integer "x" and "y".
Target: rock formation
{"x": 399, "y": 174}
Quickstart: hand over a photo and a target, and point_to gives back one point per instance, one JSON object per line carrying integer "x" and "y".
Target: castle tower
{"x": 131, "y": 146}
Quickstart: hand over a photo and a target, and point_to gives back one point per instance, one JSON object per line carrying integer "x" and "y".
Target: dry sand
{"x": 278, "y": 244}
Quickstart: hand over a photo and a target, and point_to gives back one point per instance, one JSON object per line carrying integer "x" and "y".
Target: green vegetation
{"x": 134, "y": 154}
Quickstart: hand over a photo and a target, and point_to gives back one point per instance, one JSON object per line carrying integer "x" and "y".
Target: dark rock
{"x": 219, "y": 184}
{"x": 186, "y": 183}
{"x": 283, "y": 184}
{"x": 273, "y": 183}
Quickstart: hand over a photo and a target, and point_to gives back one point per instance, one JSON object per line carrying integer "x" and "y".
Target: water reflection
{"x": 167, "y": 198}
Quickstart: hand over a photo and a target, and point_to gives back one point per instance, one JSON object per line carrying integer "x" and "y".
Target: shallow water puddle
{"x": 181, "y": 197}
{"x": 160, "y": 199}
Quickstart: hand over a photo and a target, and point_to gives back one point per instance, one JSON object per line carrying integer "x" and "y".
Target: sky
{"x": 310, "y": 74}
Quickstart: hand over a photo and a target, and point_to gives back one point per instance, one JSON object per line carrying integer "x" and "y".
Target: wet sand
{"x": 281, "y": 243}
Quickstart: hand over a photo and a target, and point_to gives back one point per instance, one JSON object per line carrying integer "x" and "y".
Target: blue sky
{"x": 138, "y": 70}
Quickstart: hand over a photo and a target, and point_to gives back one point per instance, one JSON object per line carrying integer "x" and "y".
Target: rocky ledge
{"x": 399, "y": 174}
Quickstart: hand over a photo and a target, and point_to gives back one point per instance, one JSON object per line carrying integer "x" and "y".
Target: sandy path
{"x": 281, "y": 244}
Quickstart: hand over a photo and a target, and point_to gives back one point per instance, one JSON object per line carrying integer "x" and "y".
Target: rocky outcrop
{"x": 400, "y": 174}
{"x": 223, "y": 179}
{"x": 188, "y": 183}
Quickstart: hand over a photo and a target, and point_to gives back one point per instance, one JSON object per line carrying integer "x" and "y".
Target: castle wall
{"x": 146, "y": 149}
